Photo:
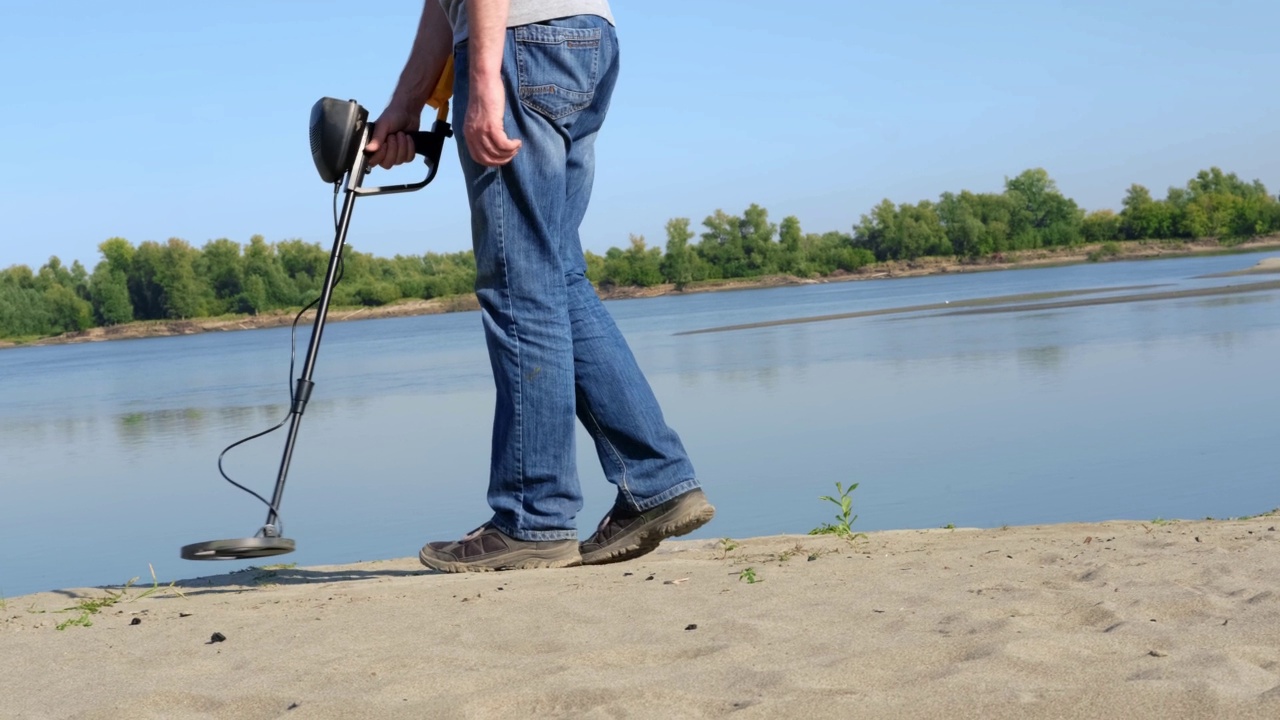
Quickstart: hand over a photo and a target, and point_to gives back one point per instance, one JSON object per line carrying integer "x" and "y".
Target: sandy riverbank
{"x": 1114, "y": 619}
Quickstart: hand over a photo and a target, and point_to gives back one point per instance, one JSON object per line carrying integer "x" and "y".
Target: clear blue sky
{"x": 150, "y": 120}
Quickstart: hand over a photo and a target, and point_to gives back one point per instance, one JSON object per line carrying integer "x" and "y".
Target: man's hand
{"x": 390, "y": 146}
{"x": 483, "y": 130}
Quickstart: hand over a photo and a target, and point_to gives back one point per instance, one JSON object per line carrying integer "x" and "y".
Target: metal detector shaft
{"x": 302, "y": 391}
{"x": 339, "y": 132}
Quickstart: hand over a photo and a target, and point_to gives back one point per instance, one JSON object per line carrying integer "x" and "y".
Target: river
{"x": 1136, "y": 410}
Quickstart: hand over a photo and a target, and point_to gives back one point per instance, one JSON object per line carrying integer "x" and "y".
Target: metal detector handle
{"x": 427, "y": 143}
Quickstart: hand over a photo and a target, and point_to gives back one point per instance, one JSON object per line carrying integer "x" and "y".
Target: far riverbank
{"x": 1137, "y": 250}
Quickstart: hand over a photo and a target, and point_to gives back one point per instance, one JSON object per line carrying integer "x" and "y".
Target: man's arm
{"x": 431, "y": 49}
{"x": 482, "y": 128}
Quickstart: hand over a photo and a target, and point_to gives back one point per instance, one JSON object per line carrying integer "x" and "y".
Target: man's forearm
{"x": 431, "y": 49}
{"x": 487, "y": 26}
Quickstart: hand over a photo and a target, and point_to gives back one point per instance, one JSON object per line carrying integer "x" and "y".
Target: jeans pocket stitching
{"x": 552, "y": 35}
{"x": 577, "y": 99}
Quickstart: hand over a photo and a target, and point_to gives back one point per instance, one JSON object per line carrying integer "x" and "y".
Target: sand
{"x": 1115, "y": 619}
{"x": 1027, "y": 302}
{"x": 1265, "y": 266}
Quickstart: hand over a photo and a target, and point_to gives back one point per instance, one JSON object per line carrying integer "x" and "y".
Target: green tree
{"x": 146, "y": 292}
{"x": 960, "y": 216}
{"x": 305, "y": 265}
{"x": 677, "y": 264}
{"x": 758, "y": 240}
{"x": 80, "y": 277}
{"x": 220, "y": 269}
{"x": 834, "y": 251}
{"x": 1143, "y": 217}
{"x": 595, "y": 267}
{"x": 1043, "y": 216}
{"x": 23, "y": 310}
{"x": 109, "y": 295}
{"x": 54, "y": 274}
{"x": 184, "y": 296}
{"x": 272, "y": 289}
{"x": 922, "y": 231}
{"x": 878, "y": 233}
{"x": 450, "y": 274}
{"x": 68, "y": 312}
{"x": 790, "y": 249}
{"x": 637, "y": 265}
{"x": 721, "y": 246}
{"x": 902, "y": 232}
{"x": 1255, "y": 216}
{"x": 1101, "y": 226}
{"x": 163, "y": 283}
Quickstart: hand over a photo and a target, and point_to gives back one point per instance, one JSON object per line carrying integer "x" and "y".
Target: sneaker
{"x": 488, "y": 548}
{"x": 623, "y": 534}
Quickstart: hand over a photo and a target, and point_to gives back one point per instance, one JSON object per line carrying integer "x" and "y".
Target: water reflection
{"x": 1228, "y": 341}
{"x": 1047, "y": 358}
{"x": 141, "y": 428}
{"x": 1229, "y": 300}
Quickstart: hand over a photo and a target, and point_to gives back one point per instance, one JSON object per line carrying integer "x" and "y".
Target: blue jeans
{"x": 554, "y": 348}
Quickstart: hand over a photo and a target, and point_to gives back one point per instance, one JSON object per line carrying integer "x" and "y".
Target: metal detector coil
{"x": 340, "y": 130}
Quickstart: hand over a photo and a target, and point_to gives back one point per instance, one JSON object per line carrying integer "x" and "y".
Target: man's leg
{"x": 516, "y": 212}
{"x": 658, "y": 494}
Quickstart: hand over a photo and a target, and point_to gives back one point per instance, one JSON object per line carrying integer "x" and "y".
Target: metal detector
{"x": 340, "y": 130}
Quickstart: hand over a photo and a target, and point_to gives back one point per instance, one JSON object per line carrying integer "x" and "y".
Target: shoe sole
{"x": 685, "y": 517}
{"x": 514, "y": 560}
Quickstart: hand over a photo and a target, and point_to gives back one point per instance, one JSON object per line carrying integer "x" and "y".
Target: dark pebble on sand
{"x": 136, "y": 621}
{"x": 691, "y": 626}
{"x": 217, "y": 638}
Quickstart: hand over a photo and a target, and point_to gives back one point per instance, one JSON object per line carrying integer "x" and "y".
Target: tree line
{"x": 175, "y": 280}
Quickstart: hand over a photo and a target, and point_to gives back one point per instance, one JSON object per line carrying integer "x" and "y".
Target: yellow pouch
{"x": 444, "y": 90}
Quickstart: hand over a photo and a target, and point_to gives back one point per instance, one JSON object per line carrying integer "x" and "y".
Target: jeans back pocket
{"x": 557, "y": 68}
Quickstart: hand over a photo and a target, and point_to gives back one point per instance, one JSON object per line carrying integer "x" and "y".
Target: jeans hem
{"x": 672, "y": 492}
{"x": 536, "y": 535}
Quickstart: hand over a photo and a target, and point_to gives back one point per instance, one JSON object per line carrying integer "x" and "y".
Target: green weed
{"x": 88, "y": 607}
{"x": 748, "y": 575}
{"x": 267, "y": 572}
{"x": 844, "y": 520}
{"x": 727, "y": 545}
{"x": 1108, "y": 249}
{"x": 786, "y": 555}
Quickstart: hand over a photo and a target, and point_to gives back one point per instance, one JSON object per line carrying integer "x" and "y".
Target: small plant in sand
{"x": 727, "y": 545}
{"x": 786, "y": 555}
{"x": 748, "y": 576}
{"x": 88, "y": 607}
{"x": 842, "y": 527}
{"x": 266, "y": 573}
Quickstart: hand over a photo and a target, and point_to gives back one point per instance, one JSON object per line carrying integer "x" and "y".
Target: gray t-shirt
{"x": 524, "y": 12}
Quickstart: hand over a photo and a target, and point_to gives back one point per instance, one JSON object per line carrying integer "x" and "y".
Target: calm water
{"x": 1142, "y": 410}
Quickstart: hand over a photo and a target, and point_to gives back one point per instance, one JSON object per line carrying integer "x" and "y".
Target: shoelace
{"x": 474, "y": 533}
